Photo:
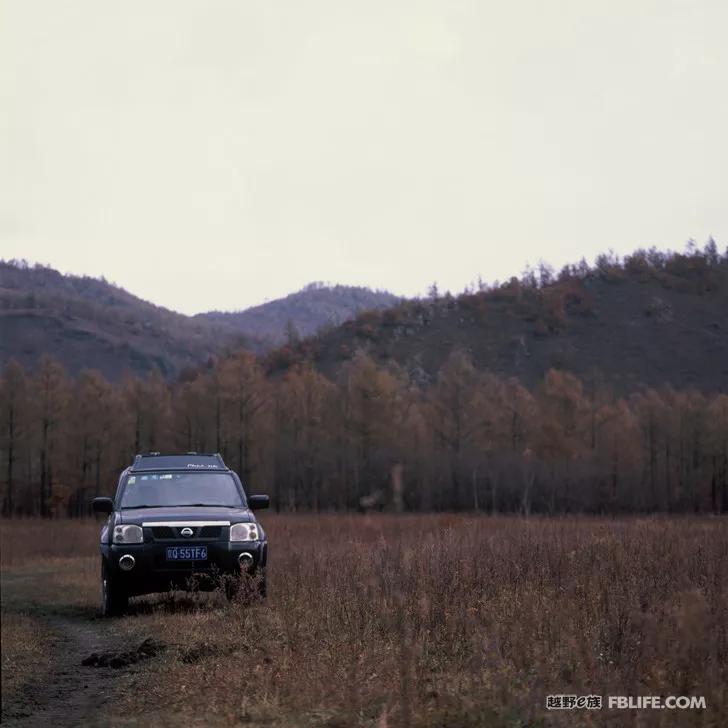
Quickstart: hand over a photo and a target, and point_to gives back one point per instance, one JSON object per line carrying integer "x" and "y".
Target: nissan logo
{"x": 186, "y": 532}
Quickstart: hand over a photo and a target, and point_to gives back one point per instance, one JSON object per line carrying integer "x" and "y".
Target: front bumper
{"x": 153, "y": 573}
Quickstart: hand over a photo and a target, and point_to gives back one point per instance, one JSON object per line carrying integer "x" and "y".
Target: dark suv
{"x": 178, "y": 521}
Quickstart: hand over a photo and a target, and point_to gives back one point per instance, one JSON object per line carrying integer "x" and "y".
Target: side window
{"x": 119, "y": 489}
{"x": 239, "y": 483}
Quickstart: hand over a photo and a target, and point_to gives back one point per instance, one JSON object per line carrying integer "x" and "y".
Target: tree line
{"x": 369, "y": 438}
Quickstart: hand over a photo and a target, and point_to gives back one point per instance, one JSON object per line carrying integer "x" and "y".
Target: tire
{"x": 114, "y": 600}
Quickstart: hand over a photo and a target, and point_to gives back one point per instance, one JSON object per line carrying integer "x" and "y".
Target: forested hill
{"x": 652, "y": 319}
{"x": 85, "y": 322}
{"x": 462, "y": 396}
{"x": 303, "y": 313}
{"x": 89, "y": 323}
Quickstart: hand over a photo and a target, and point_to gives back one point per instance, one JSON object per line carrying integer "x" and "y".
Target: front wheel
{"x": 114, "y": 600}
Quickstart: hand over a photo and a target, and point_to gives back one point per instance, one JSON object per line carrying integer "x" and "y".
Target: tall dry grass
{"x": 445, "y": 620}
{"x": 453, "y": 621}
{"x": 23, "y": 540}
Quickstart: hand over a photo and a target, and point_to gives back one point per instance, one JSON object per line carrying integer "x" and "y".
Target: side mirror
{"x": 103, "y": 505}
{"x": 258, "y": 502}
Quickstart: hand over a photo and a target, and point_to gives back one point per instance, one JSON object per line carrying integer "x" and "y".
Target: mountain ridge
{"x": 86, "y": 322}
{"x": 652, "y": 319}
{"x": 303, "y": 312}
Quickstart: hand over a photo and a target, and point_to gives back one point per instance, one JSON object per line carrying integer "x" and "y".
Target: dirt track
{"x": 72, "y": 694}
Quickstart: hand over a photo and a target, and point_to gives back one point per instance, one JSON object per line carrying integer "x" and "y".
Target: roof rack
{"x": 176, "y": 461}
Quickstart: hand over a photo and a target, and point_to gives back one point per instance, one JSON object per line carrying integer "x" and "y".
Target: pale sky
{"x": 216, "y": 153}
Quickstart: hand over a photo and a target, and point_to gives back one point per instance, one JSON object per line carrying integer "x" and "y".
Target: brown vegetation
{"x": 423, "y": 389}
{"x": 434, "y": 620}
{"x": 26, "y": 654}
{"x": 471, "y": 441}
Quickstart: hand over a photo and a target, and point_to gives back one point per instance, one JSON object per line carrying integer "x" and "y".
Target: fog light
{"x": 245, "y": 560}
{"x": 126, "y": 562}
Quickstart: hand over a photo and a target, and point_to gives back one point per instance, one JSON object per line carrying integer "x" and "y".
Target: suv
{"x": 178, "y": 521}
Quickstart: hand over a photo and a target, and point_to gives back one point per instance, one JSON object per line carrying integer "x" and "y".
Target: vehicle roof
{"x": 191, "y": 461}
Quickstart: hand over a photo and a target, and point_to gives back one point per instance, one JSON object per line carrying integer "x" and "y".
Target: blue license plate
{"x": 186, "y": 553}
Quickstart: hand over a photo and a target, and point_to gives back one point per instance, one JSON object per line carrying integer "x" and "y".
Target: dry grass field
{"x": 384, "y": 621}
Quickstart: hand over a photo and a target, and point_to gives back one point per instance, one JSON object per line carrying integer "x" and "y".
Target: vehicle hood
{"x": 184, "y": 513}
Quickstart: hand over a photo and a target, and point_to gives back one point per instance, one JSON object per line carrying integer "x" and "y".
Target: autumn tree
{"x": 456, "y": 415}
{"x": 304, "y": 458}
{"x": 518, "y": 415}
{"x": 195, "y": 415}
{"x": 147, "y": 404}
{"x": 13, "y": 404}
{"x": 51, "y": 387}
{"x": 617, "y": 454}
{"x": 91, "y": 435}
{"x": 717, "y": 419}
{"x": 244, "y": 393}
{"x": 371, "y": 407}
{"x": 561, "y": 439}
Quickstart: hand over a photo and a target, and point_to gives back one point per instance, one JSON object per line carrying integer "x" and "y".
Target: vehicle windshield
{"x": 156, "y": 490}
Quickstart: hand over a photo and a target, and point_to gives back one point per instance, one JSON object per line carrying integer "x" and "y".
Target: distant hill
{"x": 87, "y": 322}
{"x": 303, "y": 313}
{"x": 652, "y": 319}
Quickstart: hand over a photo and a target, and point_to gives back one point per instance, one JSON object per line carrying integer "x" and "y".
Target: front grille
{"x": 172, "y": 533}
{"x": 163, "y": 532}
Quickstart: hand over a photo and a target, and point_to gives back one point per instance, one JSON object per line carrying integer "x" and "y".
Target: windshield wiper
{"x": 182, "y": 505}
{"x": 204, "y": 505}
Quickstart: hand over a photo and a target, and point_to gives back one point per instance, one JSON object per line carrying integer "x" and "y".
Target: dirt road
{"x": 73, "y": 693}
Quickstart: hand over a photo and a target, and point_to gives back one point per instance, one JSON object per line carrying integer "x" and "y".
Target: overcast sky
{"x": 216, "y": 153}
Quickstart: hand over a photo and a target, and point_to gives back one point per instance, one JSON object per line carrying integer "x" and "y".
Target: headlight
{"x": 244, "y": 532}
{"x": 128, "y": 534}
